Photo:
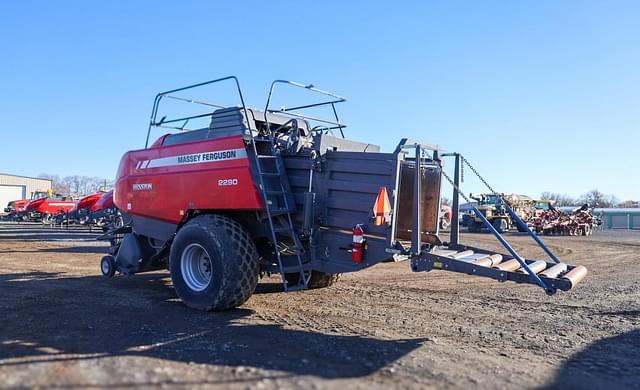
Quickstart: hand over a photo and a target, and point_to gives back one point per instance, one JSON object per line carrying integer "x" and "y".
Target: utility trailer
{"x": 280, "y": 191}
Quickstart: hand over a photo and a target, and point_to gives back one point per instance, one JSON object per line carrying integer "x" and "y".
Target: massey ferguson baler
{"x": 96, "y": 209}
{"x": 281, "y": 191}
{"x": 44, "y": 209}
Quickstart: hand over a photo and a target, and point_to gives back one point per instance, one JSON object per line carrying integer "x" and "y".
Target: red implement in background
{"x": 105, "y": 202}
{"x": 89, "y": 201}
{"x": 50, "y": 206}
{"x": 20, "y": 205}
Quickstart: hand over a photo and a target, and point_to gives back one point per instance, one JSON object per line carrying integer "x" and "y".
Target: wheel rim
{"x": 195, "y": 265}
{"x": 105, "y": 267}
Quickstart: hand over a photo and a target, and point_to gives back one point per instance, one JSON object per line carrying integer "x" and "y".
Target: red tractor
{"x": 15, "y": 209}
{"x": 282, "y": 191}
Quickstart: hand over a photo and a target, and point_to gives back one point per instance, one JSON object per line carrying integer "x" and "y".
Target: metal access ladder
{"x": 274, "y": 183}
{"x": 550, "y": 275}
{"x": 279, "y": 204}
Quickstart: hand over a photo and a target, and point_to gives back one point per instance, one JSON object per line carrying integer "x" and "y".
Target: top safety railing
{"x": 167, "y": 123}
{"x": 296, "y": 111}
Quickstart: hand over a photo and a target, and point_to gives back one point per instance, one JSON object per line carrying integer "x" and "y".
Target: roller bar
{"x": 479, "y": 262}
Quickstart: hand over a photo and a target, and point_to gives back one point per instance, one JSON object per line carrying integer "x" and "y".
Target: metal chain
{"x": 464, "y": 160}
{"x": 455, "y": 186}
{"x": 502, "y": 198}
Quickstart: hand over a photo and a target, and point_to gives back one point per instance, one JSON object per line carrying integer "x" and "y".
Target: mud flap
{"x": 129, "y": 253}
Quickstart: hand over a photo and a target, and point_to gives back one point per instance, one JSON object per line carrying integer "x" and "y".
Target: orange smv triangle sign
{"x": 382, "y": 207}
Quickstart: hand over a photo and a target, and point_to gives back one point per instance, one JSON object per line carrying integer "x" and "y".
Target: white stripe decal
{"x": 197, "y": 158}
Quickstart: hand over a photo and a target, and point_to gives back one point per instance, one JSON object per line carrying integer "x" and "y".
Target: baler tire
{"x": 108, "y": 266}
{"x": 318, "y": 279}
{"x": 233, "y": 260}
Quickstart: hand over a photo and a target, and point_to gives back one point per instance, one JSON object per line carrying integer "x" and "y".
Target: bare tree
{"x": 595, "y": 198}
{"x": 57, "y": 184}
{"x": 76, "y": 185}
{"x": 73, "y": 182}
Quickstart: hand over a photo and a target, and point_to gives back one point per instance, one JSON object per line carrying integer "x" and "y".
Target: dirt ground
{"x": 63, "y": 325}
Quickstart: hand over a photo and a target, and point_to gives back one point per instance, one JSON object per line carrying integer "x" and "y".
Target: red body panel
{"x": 105, "y": 202}
{"x": 167, "y": 181}
{"x": 50, "y": 206}
{"x": 20, "y": 205}
{"x": 89, "y": 201}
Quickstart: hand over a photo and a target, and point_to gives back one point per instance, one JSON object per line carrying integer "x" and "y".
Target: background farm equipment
{"x": 553, "y": 221}
{"x": 15, "y": 210}
{"x": 493, "y": 208}
{"x": 18, "y": 208}
{"x": 445, "y": 217}
{"x": 104, "y": 213}
{"x": 44, "y": 209}
{"x": 281, "y": 192}
{"x": 79, "y": 213}
{"x": 94, "y": 210}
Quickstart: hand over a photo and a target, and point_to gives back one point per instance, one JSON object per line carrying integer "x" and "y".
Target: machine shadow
{"x": 71, "y": 249}
{"x": 27, "y": 231}
{"x": 49, "y": 316}
{"x": 609, "y": 363}
{"x": 48, "y": 235}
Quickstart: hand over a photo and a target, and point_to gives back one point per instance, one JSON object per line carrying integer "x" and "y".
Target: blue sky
{"x": 539, "y": 95}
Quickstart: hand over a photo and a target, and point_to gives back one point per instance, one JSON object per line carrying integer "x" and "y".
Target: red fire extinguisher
{"x": 359, "y": 244}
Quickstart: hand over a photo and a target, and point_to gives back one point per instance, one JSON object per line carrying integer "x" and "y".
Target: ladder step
{"x": 282, "y": 229}
{"x": 291, "y": 269}
{"x": 266, "y": 156}
{"x": 274, "y": 174}
{"x": 273, "y": 192}
{"x": 278, "y": 211}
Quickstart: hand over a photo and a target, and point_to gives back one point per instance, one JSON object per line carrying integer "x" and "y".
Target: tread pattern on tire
{"x": 241, "y": 270}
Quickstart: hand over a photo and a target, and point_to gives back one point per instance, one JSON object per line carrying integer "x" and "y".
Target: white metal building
{"x": 13, "y": 187}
